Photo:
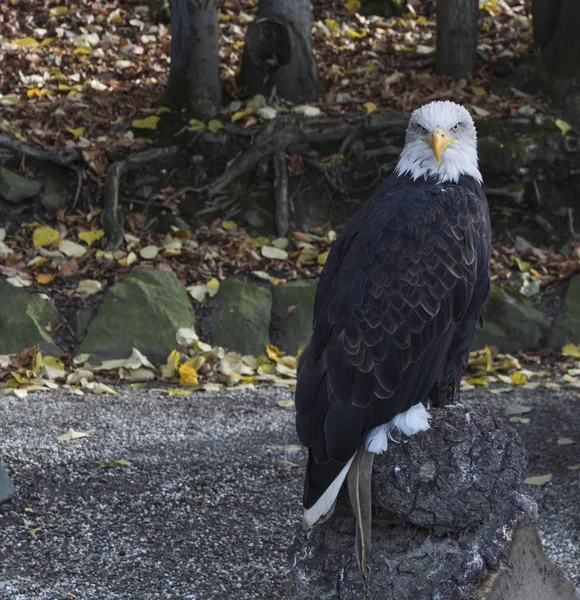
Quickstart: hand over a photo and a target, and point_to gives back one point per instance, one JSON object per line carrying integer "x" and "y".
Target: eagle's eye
{"x": 455, "y": 128}
{"x": 421, "y": 128}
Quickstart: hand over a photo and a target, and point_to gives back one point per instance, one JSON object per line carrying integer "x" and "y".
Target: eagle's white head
{"x": 441, "y": 142}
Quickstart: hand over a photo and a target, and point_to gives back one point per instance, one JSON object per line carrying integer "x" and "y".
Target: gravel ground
{"x": 210, "y": 498}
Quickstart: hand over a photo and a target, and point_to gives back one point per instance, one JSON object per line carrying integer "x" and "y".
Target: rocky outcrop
{"x": 25, "y": 320}
{"x": 144, "y": 311}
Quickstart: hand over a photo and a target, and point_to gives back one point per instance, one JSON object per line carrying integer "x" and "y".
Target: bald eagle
{"x": 399, "y": 297}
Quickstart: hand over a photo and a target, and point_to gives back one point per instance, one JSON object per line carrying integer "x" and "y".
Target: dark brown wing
{"x": 404, "y": 283}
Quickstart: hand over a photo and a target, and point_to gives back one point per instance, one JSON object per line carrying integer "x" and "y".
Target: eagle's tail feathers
{"x": 359, "y": 490}
{"x": 324, "y": 506}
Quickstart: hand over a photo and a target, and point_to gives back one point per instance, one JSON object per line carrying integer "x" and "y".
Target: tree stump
{"x": 446, "y": 508}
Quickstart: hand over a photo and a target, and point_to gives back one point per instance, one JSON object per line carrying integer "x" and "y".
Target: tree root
{"x": 63, "y": 157}
{"x": 111, "y": 218}
{"x": 281, "y": 185}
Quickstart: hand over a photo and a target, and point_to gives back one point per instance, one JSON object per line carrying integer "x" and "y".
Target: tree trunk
{"x": 456, "y": 37}
{"x": 194, "y": 80}
{"x": 545, "y": 14}
{"x": 278, "y": 52}
{"x": 561, "y": 57}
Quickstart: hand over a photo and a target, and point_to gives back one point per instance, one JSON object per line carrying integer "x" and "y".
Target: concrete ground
{"x": 208, "y": 502}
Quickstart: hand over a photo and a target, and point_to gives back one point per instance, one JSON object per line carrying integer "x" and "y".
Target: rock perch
{"x": 448, "y": 523}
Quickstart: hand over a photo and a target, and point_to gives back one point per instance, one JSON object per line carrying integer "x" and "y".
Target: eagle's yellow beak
{"x": 439, "y": 142}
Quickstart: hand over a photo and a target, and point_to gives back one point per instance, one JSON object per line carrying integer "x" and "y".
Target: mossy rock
{"x": 24, "y": 319}
{"x": 566, "y": 328}
{"x": 293, "y": 307}
{"x": 15, "y": 188}
{"x": 144, "y": 311}
{"x": 241, "y": 320}
{"x": 511, "y": 323}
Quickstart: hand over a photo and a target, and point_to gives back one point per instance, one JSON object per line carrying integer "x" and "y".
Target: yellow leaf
{"x": 45, "y": 236}
{"x": 355, "y": 34}
{"x": 478, "y": 91}
{"x": 187, "y": 375}
{"x": 332, "y": 25}
{"x": 116, "y": 463}
{"x": 38, "y": 262}
{"x": 89, "y": 237}
{"x": 352, "y": 6}
{"x": 273, "y": 352}
{"x": 58, "y": 11}
{"x": 519, "y": 379}
{"x": 162, "y": 110}
{"x": 478, "y": 381}
{"x": 560, "y": 124}
{"x": 223, "y": 16}
{"x": 523, "y": 265}
{"x": 84, "y": 50}
{"x": 322, "y": 258}
{"x": 178, "y": 392}
{"x": 196, "y": 125}
{"x": 230, "y": 225}
{"x": 26, "y": 42}
{"x": 170, "y": 368}
{"x": 241, "y": 114}
{"x": 215, "y": 125}
{"x": 571, "y": 350}
{"x": 213, "y": 285}
{"x": 149, "y": 122}
{"x": 78, "y": 132}
{"x": 308, "y": 255}
{"x": 45, "y": 278}
{"x": 371, "y": 107}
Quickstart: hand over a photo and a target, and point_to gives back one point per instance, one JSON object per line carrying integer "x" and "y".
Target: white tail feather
{"x": 325, "y": 502}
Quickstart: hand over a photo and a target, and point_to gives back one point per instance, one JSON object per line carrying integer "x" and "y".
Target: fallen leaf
{"x": 90, "y": 237}
{"x": 517, "y": 409}
{"x": 565, "y": 441}
{"x": 178, "y": 392}
{"x": 72, "y": 249}
{"x": 198, "y": 292}
{"x": 115, "y": 463}
{"x": 539, "y": 479}
{"x": 563, "y": 126}
{"x": 44, "y": 237}
{"x": 215, "y": 125}
{"x": 45, "y": 278}
{"x": 89, "y": 286}
{"x": 213, "y": 285}
{"x": 149, "y": 122}
{"x": 229, "y": 225}
{"x": 370, "y": 107}
{"x": 71, "y": 435}
{"x": 149, "y": 252}
{"x": 571, "y": 350}
{"x": 187, "y": 375}
{"x": 274, "y": 253}
{"x": 519, "y": 379}
{"x": 285, "y": 403}
{"x": 196, "y": 125}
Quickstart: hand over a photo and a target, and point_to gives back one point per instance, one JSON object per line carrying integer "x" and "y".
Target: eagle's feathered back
{"x": 395, "y": 311}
